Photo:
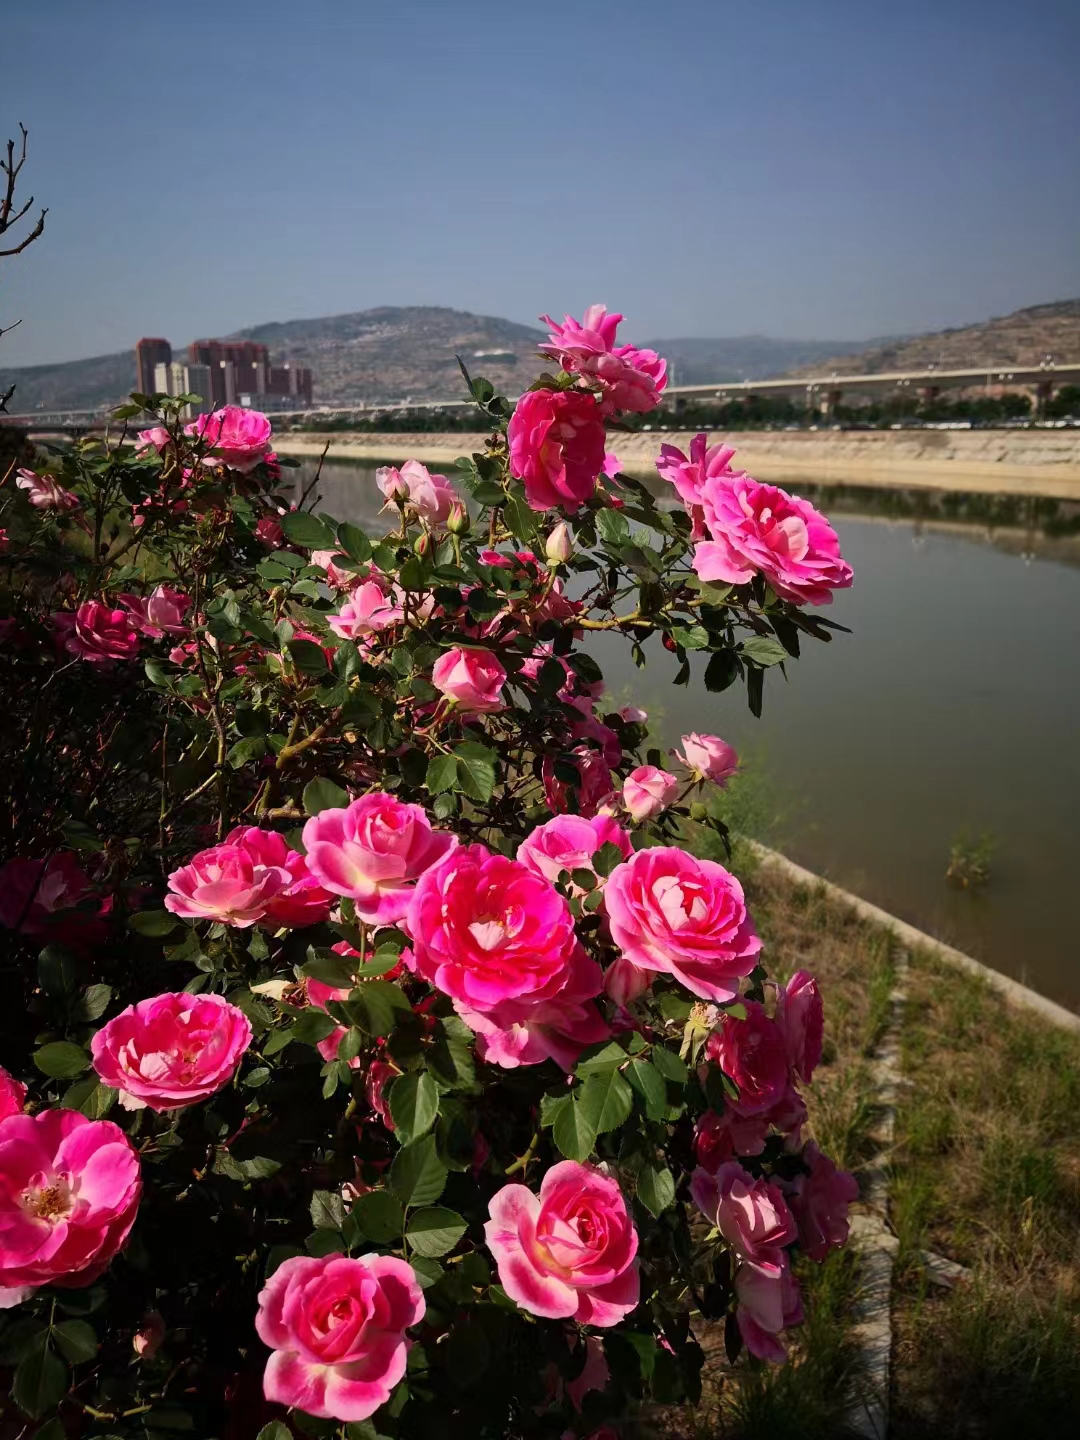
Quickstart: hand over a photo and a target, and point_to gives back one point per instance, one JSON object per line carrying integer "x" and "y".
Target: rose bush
{"x": 378, "y": 1057}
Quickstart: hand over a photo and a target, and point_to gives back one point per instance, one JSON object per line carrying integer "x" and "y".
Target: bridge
{"x": 821, "y": 392}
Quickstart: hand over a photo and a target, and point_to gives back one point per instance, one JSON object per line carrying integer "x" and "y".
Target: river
{"x": 952, "y": 710}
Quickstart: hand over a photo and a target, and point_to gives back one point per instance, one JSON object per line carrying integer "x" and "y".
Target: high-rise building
{"x": 149, "y": 353}
{"x": 175, "y": 378}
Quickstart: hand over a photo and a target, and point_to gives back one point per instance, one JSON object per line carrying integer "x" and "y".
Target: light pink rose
{"x": 44, "y": 492}
{"x": 721, "y": 1137}
{"x": 569, "y": 842}
{"x": 224, "y": 883}
{"x": 374, "y": 851}
{"x": 171, "y": 1050}
{"x": 633, "y": 714}
{"x": 569, "y": 1252}
{"x": 709, "y": 757}
{"x": 303, "y": 902}
{"x": 472, "y": 679}
{"x": 559, "y": 545}
{"x": 753, "y": 1055}
{"x": 146, "y": 1341}
{"x": 431, "y": 496}
{"x": 486, "y": 930}
{"x": 556, "y": 440}
{"x": 336, "y": 1327}
{"x": 762, "y": 528}
{"x": 767, "y": 1305}
{"x": 236, "y": 437}
{"x": 625, "y": 982}
{"x": 269, "y": 531}
{"x": 159, "y": 613}
{"x": 801, "y": 1016}
{"x": 97, "y": 633}
{"x": 156, "y": 438}
{"x": 12, "y": 1094}
{"x": 684, "y": 917}
{"x": 750, "y": 1214}
{"x": 648, "y": 791}
{"x": 337, "y": 577}
{"x": 820, "y": 1201}
{"x": 69, "y": 1190}
{"x": 367, "y": 610}
{"x": 631, "y": 379}
{"x": 689, "y": 473}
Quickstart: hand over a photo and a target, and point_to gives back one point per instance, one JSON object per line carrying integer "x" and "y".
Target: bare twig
{"x": 9, "y": 216}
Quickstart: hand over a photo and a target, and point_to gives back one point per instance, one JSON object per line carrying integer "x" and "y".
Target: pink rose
{"x": 156, "y": 438}
{"x": 569, "y": 1252}
{"x": 171, "y": 1050}
{"x": 12, "y": 1094}
{"x": 633, "y": 714}
{"x": 302, "y": 902}
{"x": 625, "y": 982}
{"x": 378, "y": 1077}
{"x": 146, "y": 1341}
{"x": 159, "y": 613}
{"x": 751, "y": 1053}
{"x": 69, "y": 1190}
{"x": 431, "y": 496}
{"x": 236, "y": 437}
{"x": 559, "y": 545}
{"x": 38, "y": 896}
{"x": 556, "y": 440}
{"x": 767, "y": 1305}
{"x": 801, "y": 1016}
{"x": 595, "y": 783}
{"x": 486, "y": 930}
{"x": 750, "y": 1214}
{"x": 472, "y": 679}
{"x": 336, "y": 1327}
{"x": 762, "y": 528}
{"x": 224, "y": 883}
{"x": 721, "y": 1137}
{"x": 374, "y": 851}
{"x": 269, "y": 531}
{"x": 337, "y": 576}
{"x": 684, "y": 917}
{"x": 97, "y": 633}
{"x": 648, "y": 791}
{"x": 820, "y": 1202}
{"x": 569, "y": 842}
{"x": 44, "y": 492}
{"x": 631, "y": 379}
{"x": 709, "y": 757}
{"x": 689, "y": 473}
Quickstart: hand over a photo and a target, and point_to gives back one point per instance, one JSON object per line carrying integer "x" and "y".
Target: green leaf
{"x": 467, "y": 1353}
{"x": 76, "y": 1340}
{"x": 655, "y": 1189}
{"x": 476, "y": 769}
{"x": 417, "y": 1174}
{"x": 305, "y": 529}
{"x": 322, "y": 794}
{"x": 354, "y": 542}
{"x": 89, "y": 1096}
{"x": 612, "y": 527}
{"x": 607, "y": 1100}
{"x": 41, "y": 1382}
{"x": 606, "y": 858}
{"x": 442, "y": 772}
{"x": 721, "y": 671}
{"x": 93, "y": 1002}
{"x": 574, "y": 1128}
{"x": 54, "y": 1430}
{"x": 377, "y": 1216}
{"x": 154, "y": 923}
{"x": 331, "y": 969}
{"x": 435, "y": 1232}
{"x": 58, "y": 972}
{"x": 307, "y": 656}
{"x": 597, "y": 1059}
{"x": 311, "y": 1027}
{"x": 764, "y": 650}
{"x": 649, "y": 1084}
{"x": 670, "y": 1065}
{"x": 376, "y": 1005}
{"x": 276, "y": 1430}
{"x": 327, "y": 1210}
{"x": 414, "y": 1104}
{"x": 61, "y": 1059}
{"x": 428, "y": 1272}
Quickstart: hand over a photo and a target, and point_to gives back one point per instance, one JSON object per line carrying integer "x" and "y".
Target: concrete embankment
{"x": 1006, "y": 462}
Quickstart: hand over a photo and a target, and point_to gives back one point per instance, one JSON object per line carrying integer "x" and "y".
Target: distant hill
{"x": 1023, "y": 338}
{"x": 75, "y": 384}
{"x": 745, "y": 357}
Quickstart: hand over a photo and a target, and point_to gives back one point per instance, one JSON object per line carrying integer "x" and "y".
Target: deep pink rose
{"x": 751, "y": 1053}
{"x": 767, "y": 1305}
{"x": 237, "y": 437}
{"x": 595, "y": 783}
{"x": 762, "y": 528}
{"x": 304, "y": 901}
{"x": 721, "y": 1137}
{"x": 374, "y": 851}
{"x": 44, "y": 492}
{"x": 378, "y": 1077}
{"x": 269, "y": 531}
{"x": 557, "y": 444}
{"x": 159, "y": 613}
{"x": 12, "y": 1094}
{"x": 431, "y": 496}
{"x": 171, "y": 1050}
{"x": 569, "y": 1252}
{"x": 688, "y": 473}
{"x": 37, "y": 898}
{"x": 801, "y": 1016}
{"x": 569, "y": 842}
{"x": 472, "y": 679}
{"x": 69, "y": 1190}
{"x": 820, "y": 1202}
{"x": 336, "y": 1327}
{"x": 97, "y": 633}
{"x": 631, "y": 379}
{"x": 648, "y": 791}
{"x": 709, "y": 757}
{"x": 750, "y": 1214}
{"x": 684, "y": 917}
{"x": 487, "y": 930}
{"x": 224, "y": 883}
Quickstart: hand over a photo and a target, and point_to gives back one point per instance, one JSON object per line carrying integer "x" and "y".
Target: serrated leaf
{"x": 649, "y": 1084}
{"x": 89, "y": 1096}
{"x": 327, "y": 1210}
{"x": 308, "y": 657}
{"x": 574, "y": 1129}
{"x": 414, "y": 1104}
{"x": 435, "y": 1232}
{"x": 76, "y": 1340}
{"x": 275, "y": 1431}
{"x": 476, "y": 769}
{"x": 61, "y": 1059}
{"x": 353, "y": 541}
{"x": 606, "y": 858}
{"x": 442, "y": 773}
{"x": 612, "y": 527}
{"x": 58, "y": 972}
{"x": 655, "y": 1188}
{"x": 41, "y": 1381}
{"x": 305, "y": 529}
{"x": 154, "y": 923}
{"x": 764, "y": 650}
{"x": 603, "y": 1056}
{"x": 669, "y": 1064}
{"x": 322, "y": 794}
{"x": 607, "y": 1100}
{"x": 377, "y": 1216}
{"x": 93, "y": 1002}
{"x": 417, "y": 1175}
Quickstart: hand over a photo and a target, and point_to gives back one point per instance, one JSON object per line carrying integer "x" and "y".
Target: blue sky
{"x": 837, "y": 169}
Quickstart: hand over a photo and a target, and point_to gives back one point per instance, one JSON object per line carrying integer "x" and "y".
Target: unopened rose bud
{"x": 559, "y": 545}
{"x": 422, "y": 544}
{"x": 147, "y": 1339}
{"x": 458, "y": 522}
{"x": 698, "y": 811}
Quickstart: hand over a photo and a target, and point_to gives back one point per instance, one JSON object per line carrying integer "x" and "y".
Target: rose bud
{"x": 559, "y": 546}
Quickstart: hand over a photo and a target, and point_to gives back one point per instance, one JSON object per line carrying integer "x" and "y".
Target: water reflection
{"x": 951, "y": 708}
